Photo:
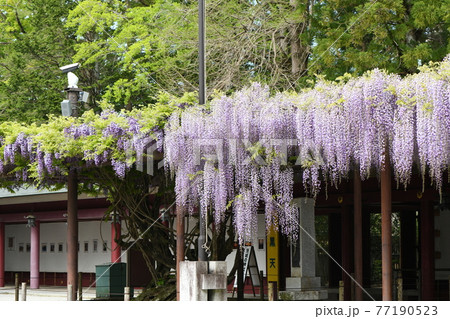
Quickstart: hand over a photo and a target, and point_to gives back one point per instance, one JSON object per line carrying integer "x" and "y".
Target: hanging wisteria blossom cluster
{"x": 43, "y": 154}
{"x": 46, "y": 153}
{"x": 241, "y": 151}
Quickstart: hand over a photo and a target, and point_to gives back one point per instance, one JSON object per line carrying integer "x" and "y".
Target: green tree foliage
{"x": 397, "y": 35}
{"x": 33, "y": 43}
{"x": 131, "y": 50}
{"x": 140, "y": 47}
{"x": 135, "y": 49}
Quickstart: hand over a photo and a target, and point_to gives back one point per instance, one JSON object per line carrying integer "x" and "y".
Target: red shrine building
{"x": 33, "y": 241}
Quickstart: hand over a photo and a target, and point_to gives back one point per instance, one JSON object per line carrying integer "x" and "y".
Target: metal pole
{"x": 386, "y": 227}
{"x": 126, "y": 296}
{"x": 357, "y": 220}
{"x": 201, "y": 99}
{"x": 180, "y": 245}
{"x": 201, "y": 51}
{"x": 23, "y": 297}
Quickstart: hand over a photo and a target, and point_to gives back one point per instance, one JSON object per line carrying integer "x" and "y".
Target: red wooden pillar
{"x": 34, "y": 255}
{"x": 358, "y": 239}
{"x": 115, "y": 247}
{"x": 180, "y": 245}
{"x": 347, "y": 251}
{"x": 386, "y": 228}
{"x": 427, "y": 249}
{"x": 2, "y": 254}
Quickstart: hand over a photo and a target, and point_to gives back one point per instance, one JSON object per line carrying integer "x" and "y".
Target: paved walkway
{"x": 45, "y": 293}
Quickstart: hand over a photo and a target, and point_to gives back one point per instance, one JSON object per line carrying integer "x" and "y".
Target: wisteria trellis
{"x": 237, "y": 150}
{"x": 242, "y": 150}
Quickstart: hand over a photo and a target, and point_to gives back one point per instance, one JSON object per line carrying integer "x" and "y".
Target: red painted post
{"x": 2, "y": 254}
{"x": 115, "y": 247}
{"x": 357, "y": 229}
{"x": 72, "y": 234}
{"x": 386, "y": 228}
{"x": 180, "y": 245}
{"x": 34, "y": 255}
{"x": 427, "y": 249}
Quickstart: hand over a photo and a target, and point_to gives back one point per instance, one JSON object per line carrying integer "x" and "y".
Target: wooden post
{"x": 400, "y": 289}
{"x": 16, "y": 285}
{"x": 357, "y": 229}
{"x": 72, "y": 209}
{"x": 273, "y": 291}
{"x": 72, "y": 232}
{"x": 180, "y": 245}
{"x": 341, "y": 290}
{"x": 80, "y": 286}
{"x": 69, "y": 293}
{"x": 386, "y": 227}
{"x": 23, "y": 297}
{"x": 261, "y": 287}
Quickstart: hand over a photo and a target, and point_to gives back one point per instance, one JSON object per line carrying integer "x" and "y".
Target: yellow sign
{"x": 272, "y": 252}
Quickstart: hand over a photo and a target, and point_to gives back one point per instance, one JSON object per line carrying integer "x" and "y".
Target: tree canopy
{"x": 131, "y": 50}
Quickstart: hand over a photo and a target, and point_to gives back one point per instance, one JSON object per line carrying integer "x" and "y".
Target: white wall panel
{"x": 55, "y": 234}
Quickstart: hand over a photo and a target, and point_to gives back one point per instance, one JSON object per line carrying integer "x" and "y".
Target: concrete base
{"x": 293, "y": 295}
{"x": 302, "y": 283}
{"x": 203, "y": 281}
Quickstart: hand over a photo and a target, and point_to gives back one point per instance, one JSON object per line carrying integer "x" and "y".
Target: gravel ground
{"x": 46, "y": 293}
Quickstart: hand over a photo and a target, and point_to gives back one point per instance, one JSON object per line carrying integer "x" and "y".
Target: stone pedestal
{"x": 203, "y": 281}
{"x": 304, "y": 285}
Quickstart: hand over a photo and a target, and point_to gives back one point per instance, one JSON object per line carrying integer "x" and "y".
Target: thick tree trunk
{"x": 299, "y": 51}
